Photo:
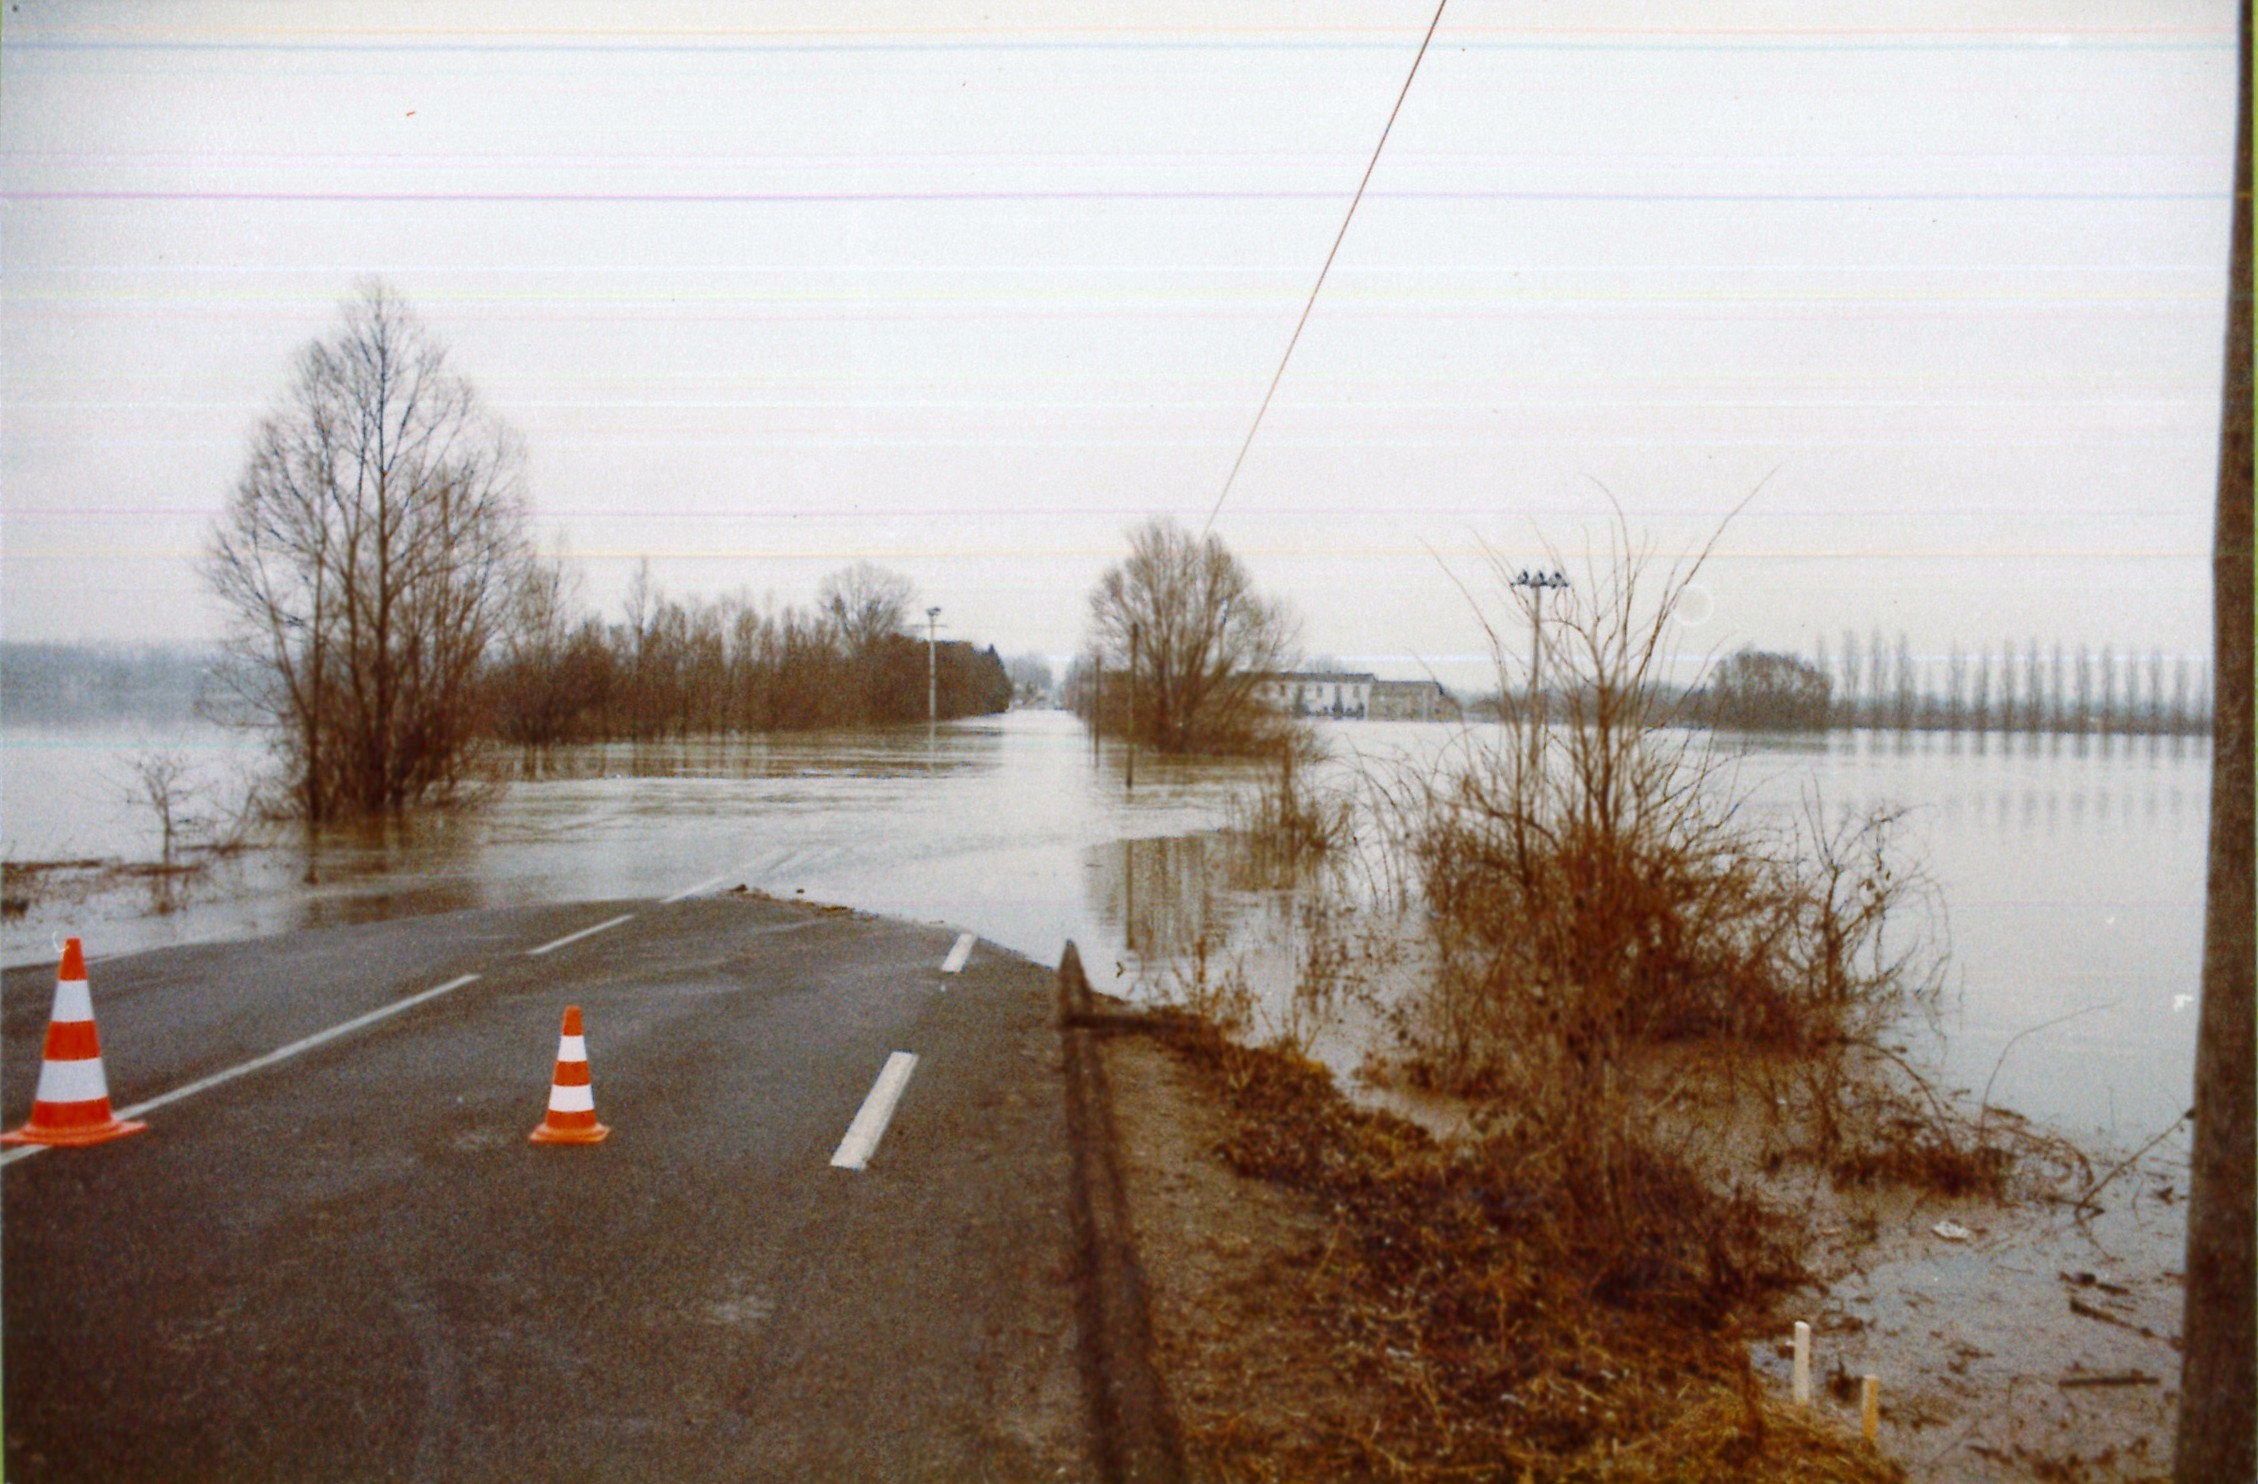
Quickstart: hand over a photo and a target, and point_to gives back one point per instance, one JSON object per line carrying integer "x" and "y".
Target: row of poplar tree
{"x": 2027, "y": 687}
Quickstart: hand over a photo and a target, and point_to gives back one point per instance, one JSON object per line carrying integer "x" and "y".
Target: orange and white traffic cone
{"x": 72, "y": 1102}
{"x": 572, "y": 1102}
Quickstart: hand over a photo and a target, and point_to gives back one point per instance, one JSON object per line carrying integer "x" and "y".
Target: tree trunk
{"x": 2218, "y": 1398}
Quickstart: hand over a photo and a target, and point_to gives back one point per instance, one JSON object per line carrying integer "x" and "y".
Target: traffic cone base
{"x": 548, "y": 1133}
{"x": 50, "y": 1132}
{"x": 571, "y": 1118}
{"x": 71, "y": 1105}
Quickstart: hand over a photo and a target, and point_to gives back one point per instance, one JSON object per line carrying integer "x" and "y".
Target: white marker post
{"x": 1802, "y": 1364}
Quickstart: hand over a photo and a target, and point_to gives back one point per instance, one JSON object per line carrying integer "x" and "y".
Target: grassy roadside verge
{"x": 1339, "y": 1297}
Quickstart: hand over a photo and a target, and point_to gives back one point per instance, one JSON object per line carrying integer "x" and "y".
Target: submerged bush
{"x": 1592, "y": 884}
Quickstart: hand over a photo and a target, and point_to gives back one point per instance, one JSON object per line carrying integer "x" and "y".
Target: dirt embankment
{"x": 1336, "y": 1296}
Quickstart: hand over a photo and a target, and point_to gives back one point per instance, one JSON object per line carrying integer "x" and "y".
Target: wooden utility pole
{"x": 2219, "y": 1328}
{"x": 1136, "y": 633}
{"x": 932, "y": 670}
{"x": 1537, "y": 583}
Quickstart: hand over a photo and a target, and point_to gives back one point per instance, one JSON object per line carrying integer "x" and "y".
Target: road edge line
{"x": 1130, "y": 1413}
{"x": 268, "y": 1059}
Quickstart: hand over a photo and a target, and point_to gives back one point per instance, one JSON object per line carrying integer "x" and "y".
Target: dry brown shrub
{"x": 1287, "y": 828}
{"x": 1598, "y": 885}
{"x": 1509, "y": 1330}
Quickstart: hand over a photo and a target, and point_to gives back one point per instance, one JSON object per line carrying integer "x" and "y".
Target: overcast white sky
{"x": 967, "y": 290}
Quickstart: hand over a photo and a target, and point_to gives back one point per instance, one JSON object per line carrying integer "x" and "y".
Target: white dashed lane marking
{"x": 869, "y": 1127}
{"x": 954, "y": 963}
{"x": 690, "y": 891}
{"x": 586, "y": 932}
{"x": 318, "y": 1038}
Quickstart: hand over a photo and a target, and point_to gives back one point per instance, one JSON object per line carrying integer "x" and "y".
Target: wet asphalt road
{"x": 353, "y": 1265}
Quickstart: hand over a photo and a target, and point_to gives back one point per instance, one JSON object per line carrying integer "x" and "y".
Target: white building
{"x": 1319, "y": 693}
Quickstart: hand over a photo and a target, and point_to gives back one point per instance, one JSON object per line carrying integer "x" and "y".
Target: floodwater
{"x": 2073, "y": 874}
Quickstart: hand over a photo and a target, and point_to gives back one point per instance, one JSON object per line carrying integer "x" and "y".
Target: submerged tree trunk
{"x": 2218, "y": 1397}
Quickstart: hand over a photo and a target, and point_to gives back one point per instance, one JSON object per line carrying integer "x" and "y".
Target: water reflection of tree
{"x": 1165, "y": 895}
{"x": 869, "y": 753}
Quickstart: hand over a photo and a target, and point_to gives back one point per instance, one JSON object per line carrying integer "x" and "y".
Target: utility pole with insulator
{"x": 1537, "y": 583}
{"x": 932, "y": 669}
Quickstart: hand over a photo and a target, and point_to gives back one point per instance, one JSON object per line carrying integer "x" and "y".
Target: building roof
{"x": 1323, "y": 677}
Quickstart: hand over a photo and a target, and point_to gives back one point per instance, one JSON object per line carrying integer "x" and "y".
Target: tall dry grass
{"x": 1599, "y": 890}
{"x": 1595, "y": 878}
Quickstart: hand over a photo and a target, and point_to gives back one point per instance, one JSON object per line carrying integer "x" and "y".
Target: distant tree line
{"x": 2026, "y": 688}
{"x": 59, "y": 684}
{"x": 385, "y": 611}
{"x": 1882, "y": 685}
{"x": 676, "y": 668}
{"x": 2015, "y": 688}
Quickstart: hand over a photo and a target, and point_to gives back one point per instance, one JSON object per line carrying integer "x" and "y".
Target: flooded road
{"x": 2073, "y": 874}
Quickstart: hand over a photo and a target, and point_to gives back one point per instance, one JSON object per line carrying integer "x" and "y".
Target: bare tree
{"x": 1203, "y": 640}
{"x": 535, "y": 694}
{"x": 1852, "y": 693}
{"x": 1902, "y": 703}
{"x": 366, "y": 560}
{"x": 867, "y": 604}
{"x": 166, "y": 784}
{"x": 642, "y": 603}
{"x": 1877, "y": 687}
{"x": 2084, "y": 672}
{"x": 2219, "y": 1354}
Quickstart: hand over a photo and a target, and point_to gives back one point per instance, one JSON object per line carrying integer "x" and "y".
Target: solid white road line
{"x": 869, "y": 1127}
{"x": 205, "y": 1084}
{"x": 691, "y": 891}
{"x": 954, "y": 963}
{"x": 587, "y": 932}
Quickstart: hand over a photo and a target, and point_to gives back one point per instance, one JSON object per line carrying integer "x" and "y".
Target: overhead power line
{"x": 1311, "y": 303}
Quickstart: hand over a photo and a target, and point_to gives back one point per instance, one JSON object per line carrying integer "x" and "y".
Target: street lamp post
{"x": 932, "y": 670}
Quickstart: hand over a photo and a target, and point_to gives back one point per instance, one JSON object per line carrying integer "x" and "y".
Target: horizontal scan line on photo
{"x": 1941, "y": 39}
{"x": 859, "y": 198}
